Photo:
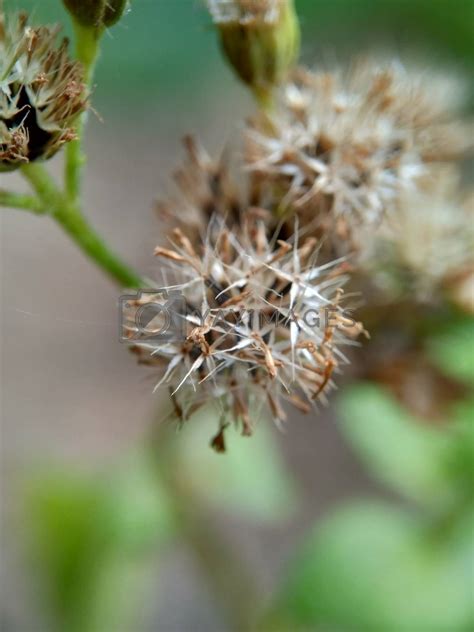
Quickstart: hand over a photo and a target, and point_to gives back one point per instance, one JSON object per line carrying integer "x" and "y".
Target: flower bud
{"x": 86, "y": 12}
{"x": 96, "y": 13}
{"x": 42, "y": 93}
{"x": 260, "y": 39}
{"x": 114, "y": 9}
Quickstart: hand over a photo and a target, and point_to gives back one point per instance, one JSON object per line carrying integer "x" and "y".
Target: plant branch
{"x": 21, "y": 201}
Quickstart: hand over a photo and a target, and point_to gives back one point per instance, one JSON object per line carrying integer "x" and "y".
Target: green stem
{"x": 265, "y": 99}
{"x": 87, "y": 52}
{"x": 21, "y": 201}
{"x": 77, "y": 227}
{"x": 43, "y": 184}
{"x": 71, "y": 220}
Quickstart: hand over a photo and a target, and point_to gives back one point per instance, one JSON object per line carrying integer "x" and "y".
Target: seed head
{"x": 343, "y": 148}
{"x": 426, "y": 248}
{"x": 262, "y": 323}
{"x": 41, "y": 92}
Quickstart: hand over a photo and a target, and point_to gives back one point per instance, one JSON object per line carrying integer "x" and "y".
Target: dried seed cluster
{"x": 257, "y": 319}
{"x": 428, "y": 246}
{"x": 261, "y": 321}
{"x": 41, "y": 92}
{"x": 255, "y": 263}
{"x": 343, "y": 148}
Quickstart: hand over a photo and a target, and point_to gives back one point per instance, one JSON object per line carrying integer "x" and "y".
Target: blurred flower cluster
{"x": 352, "y": 170}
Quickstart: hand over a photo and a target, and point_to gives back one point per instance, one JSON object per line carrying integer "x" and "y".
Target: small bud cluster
{"x": 41, "y": 93}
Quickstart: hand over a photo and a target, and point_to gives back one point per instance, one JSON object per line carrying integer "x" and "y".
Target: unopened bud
{"x": 260, "y": 38}
{"x": 114, "y": 9}
{"x": 96, "y": 13}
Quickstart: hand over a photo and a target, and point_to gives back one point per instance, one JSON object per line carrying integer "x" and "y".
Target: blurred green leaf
{"x": 372, "y": 568}
{"x": 250, "y": 478}
{"x": 402, "y": 452}
{"x": 461, "y": 462}
{"x": 453, "y": 351}
{"x": 138, "y": 511}
{"x": 91, "y": 538}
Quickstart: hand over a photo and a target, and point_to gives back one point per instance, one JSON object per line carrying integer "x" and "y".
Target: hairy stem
{"x": 72, "y": 221}
{"x": 87, "y": 52}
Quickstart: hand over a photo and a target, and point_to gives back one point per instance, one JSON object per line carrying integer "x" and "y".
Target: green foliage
{"x": 434, "y": 466}
{"x": 453, "y": 351}
{"x": 91, "y": 539}
{"x": 401, "y": 451}
{"x": 462, "y": 455}
{"x": 372, "y": 568}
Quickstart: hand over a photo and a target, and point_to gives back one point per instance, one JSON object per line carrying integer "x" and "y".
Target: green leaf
{"x": 399, "y": 450}
{"x": 137, "y": 509}
{"x": 250, "y": 477}
{"x": 371, "y": 568}
{"x": 92, "y": 537}
{"x": 453, "y": 351}
{"x": 461, "y": 462}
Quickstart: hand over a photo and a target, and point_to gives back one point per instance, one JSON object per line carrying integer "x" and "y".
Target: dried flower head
{"x": 257, "y": 322}
{"x": 428, "y": 245}
{"x": 208, "y": 187}
{"x": 344, "y": 147}
{"x": 260, "y": 39}
{"x": 41, "y": 92}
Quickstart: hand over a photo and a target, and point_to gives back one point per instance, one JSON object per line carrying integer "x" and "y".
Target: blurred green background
{"x": 166, "y": 49}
